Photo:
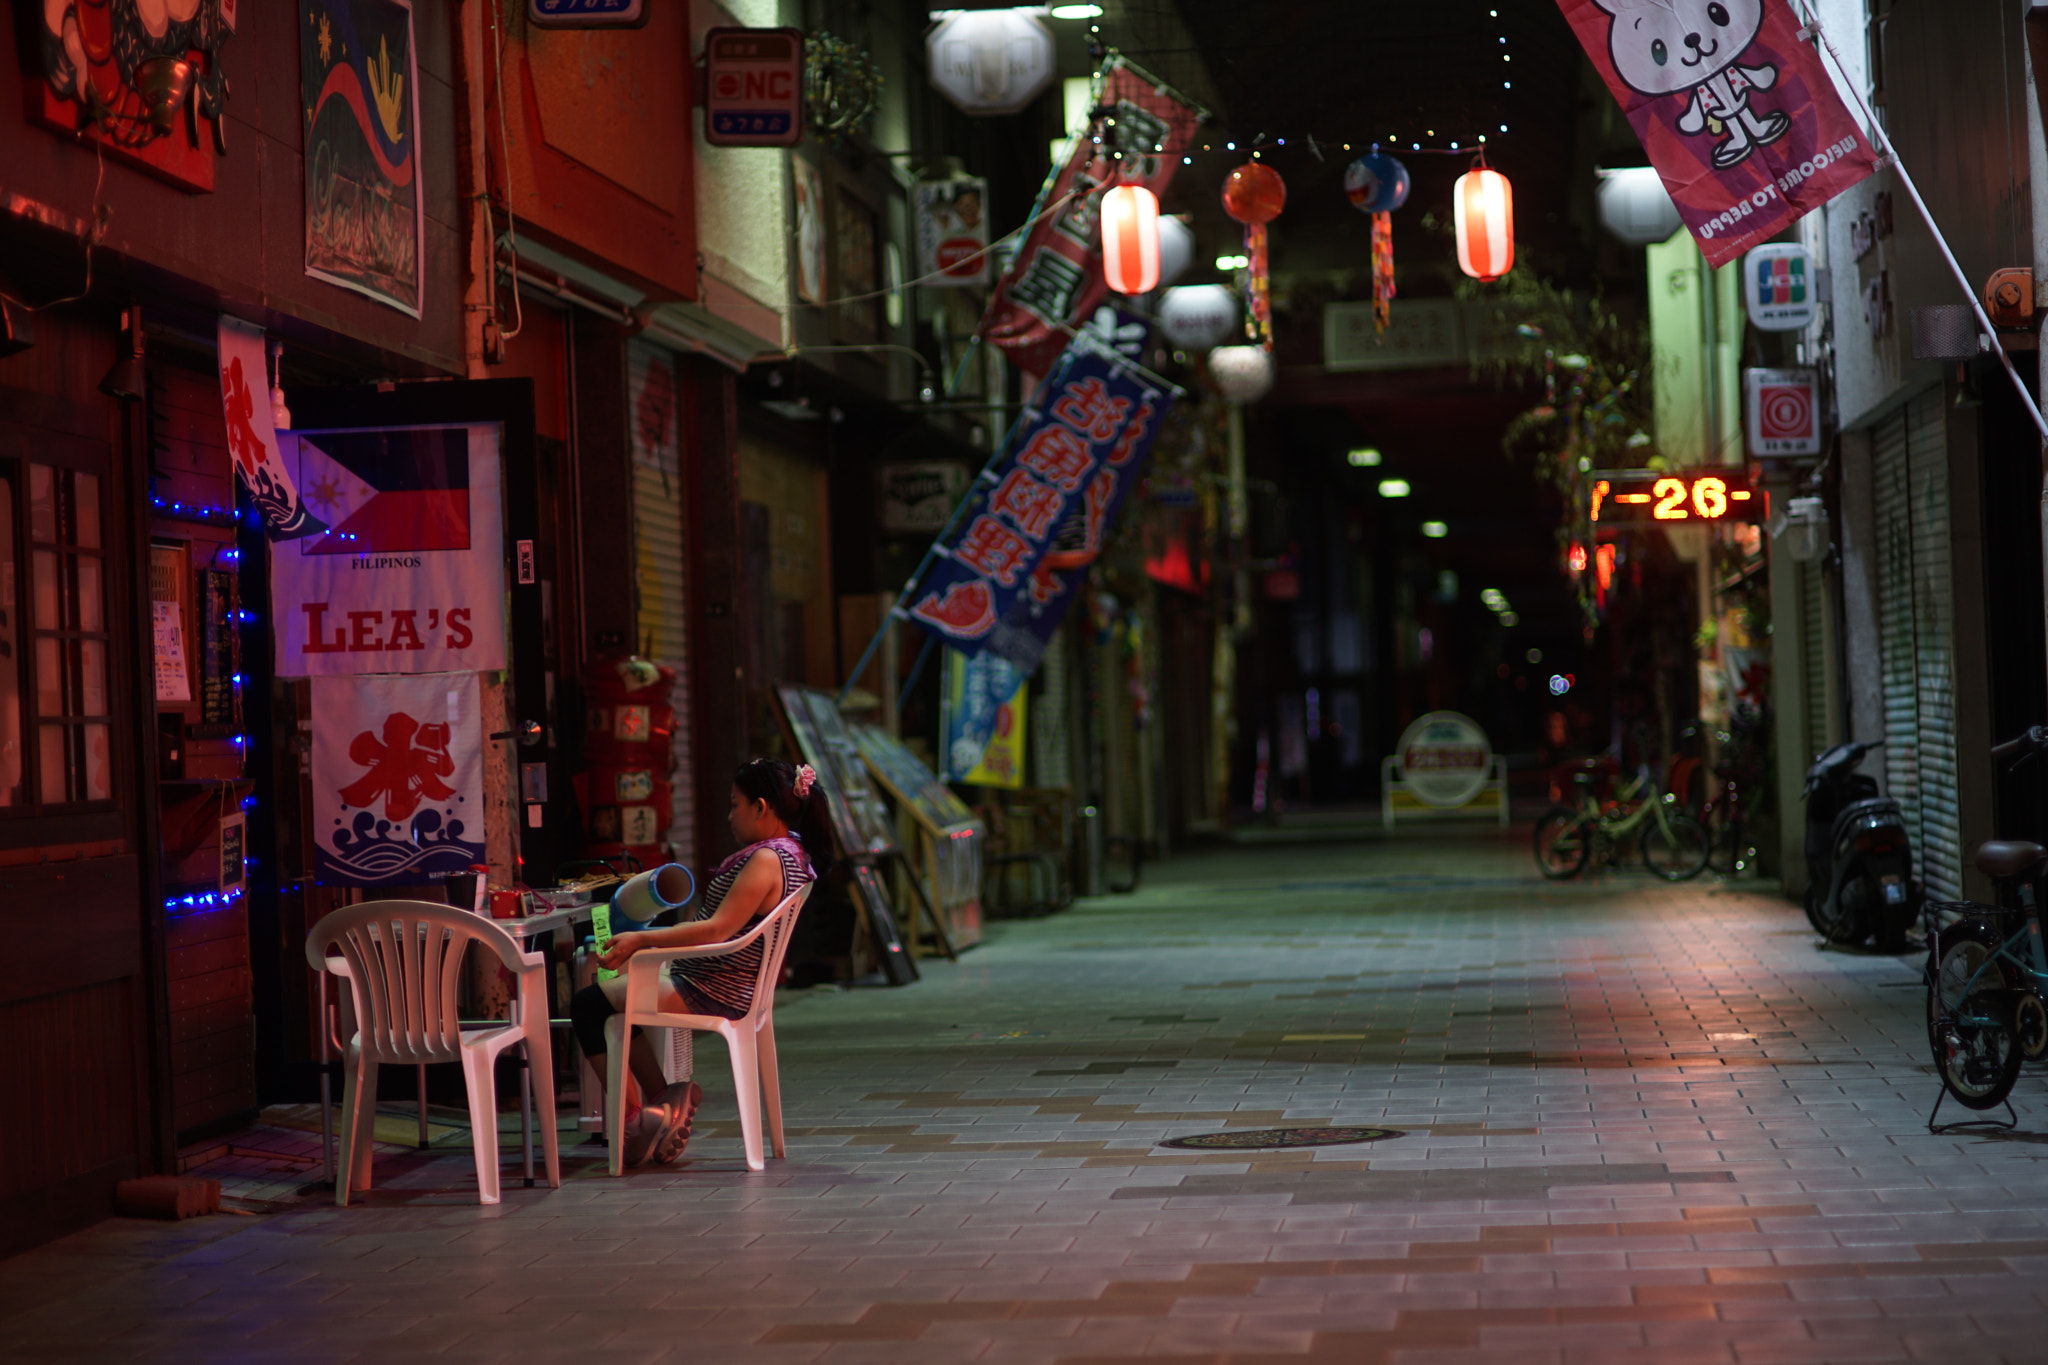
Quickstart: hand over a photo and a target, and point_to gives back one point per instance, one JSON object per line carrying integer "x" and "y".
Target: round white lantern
{"x": 1197, "y": 316}
{"x": 1176, "y": 248}
{"x": 1243, "y": 374}
{"x": 1635, "y": 206}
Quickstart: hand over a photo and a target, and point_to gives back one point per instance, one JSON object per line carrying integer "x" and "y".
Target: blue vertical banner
{"x": 1039, "y": 517}
{"x": 1002, "y": 582}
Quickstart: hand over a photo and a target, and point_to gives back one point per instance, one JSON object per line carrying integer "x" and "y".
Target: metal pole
{"x": 1890, "y": 153}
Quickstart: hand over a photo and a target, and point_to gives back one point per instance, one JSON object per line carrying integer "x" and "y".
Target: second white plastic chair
{"x": 749, "y": 1039}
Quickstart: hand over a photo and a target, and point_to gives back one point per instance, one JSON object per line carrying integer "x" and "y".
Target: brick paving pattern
{"x": 1639, "y": 1123}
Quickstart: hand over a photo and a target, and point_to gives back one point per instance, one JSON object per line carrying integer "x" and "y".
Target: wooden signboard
{"x": 947, "y": 870}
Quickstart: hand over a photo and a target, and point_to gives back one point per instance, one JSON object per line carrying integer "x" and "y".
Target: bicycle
{"x": 1987, "y": 972}
{"x": 1672, "y": 844}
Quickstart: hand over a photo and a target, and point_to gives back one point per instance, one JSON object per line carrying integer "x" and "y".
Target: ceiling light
{"x": 1435, "y": 530}
{"x": 1394, "y": 488}
{"x": 1508, "y": 618}
{"x": 1232, "y": 262}
{"x": 1076, "y": 11}
{"x": 1364, "y": 458}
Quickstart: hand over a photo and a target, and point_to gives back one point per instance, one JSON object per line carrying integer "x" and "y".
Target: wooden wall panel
{"x": 67, "y": 1084}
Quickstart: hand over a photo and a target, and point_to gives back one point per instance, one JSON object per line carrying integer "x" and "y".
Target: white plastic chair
{"x": 750, "y": 1039}
{"x": 404, "y": 969}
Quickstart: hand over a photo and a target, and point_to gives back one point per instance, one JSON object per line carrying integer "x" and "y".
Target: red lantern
{"x": 1254, "y": 194}
{"x": 1484, "y": 209}
{"x": 1130, "y": 239}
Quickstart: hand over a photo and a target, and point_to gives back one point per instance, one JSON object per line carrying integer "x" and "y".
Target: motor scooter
{"x": 1859, "y": 861}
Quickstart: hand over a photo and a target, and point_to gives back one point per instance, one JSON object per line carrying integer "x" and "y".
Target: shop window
{"x": 56, "y": 726}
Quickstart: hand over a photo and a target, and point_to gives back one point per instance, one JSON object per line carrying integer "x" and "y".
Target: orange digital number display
{"x": 1631, "y": 495}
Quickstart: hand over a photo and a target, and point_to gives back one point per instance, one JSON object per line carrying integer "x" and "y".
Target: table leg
{"x": 423, "y": 1105}
{"x": 526, "y": 1112}
{"x": 589, "y": 1093}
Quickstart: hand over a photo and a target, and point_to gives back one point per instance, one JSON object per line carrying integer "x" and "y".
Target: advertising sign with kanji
{"x": 1056, "y": 279}
{"x": 1783, "y": 411}
{"x": 1039, "y": 518}
{"x": 952, "y": 231}
{"x": 754, "y": 87}
{"x": 1734, "y": 107}
{"x": 408, "y": 575}
{"x": 398, "y": 778}
{"x": 252, "y": 435}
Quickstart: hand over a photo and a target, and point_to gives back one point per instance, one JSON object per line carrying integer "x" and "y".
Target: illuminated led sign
{"x": 1625, "y": 495}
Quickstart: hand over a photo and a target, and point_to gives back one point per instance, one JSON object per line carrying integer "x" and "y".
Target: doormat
{"x": 1245, "y": 1138}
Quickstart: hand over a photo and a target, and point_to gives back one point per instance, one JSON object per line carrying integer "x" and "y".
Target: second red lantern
{"x": 1130, "y": 239}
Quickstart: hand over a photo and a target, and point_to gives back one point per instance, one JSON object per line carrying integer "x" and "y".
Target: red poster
{"x": 1056, "y": 281}
{"x": 1736, "y": 112}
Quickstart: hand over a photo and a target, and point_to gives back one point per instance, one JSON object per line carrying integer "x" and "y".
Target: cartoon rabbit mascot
{"x": 1665, "y": 47}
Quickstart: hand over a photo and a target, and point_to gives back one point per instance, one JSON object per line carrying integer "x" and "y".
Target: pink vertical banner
{"x": 1736, "y": 111}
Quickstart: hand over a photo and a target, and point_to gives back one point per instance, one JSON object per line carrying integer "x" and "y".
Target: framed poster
{"x": 365, "y": 215}
{"x": 952, "y": 232}
{"x": 409, "y": 576}
{"x": 810, "y": 231}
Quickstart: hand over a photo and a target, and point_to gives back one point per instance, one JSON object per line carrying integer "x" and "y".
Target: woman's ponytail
{"x": 776, "y": 782}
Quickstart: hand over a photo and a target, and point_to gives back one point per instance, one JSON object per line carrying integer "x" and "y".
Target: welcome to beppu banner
{"x": 1038, "y": 519}
{"x": 1737, "y": 113}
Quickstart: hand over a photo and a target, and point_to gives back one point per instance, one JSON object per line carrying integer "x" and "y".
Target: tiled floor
{"x": 1640, "y": 1123}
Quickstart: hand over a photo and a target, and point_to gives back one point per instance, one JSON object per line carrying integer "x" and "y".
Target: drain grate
{"x": 1253, "y": 1138}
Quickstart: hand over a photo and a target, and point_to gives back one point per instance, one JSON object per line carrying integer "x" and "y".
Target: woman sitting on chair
{"x": 778, "y": 819}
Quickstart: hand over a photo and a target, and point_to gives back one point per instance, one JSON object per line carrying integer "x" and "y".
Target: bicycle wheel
{"x": 1970, "y": 1017}
{"x": 1564, "y": 839}
{"x": 1675, "y": 848}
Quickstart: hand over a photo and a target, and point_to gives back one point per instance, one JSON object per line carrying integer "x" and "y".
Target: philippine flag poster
{"x": 409, "y": 576}
{"x": 398, "y": 778}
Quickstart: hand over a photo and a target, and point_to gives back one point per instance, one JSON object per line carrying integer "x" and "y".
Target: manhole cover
{"x": 1282, "y": 1137}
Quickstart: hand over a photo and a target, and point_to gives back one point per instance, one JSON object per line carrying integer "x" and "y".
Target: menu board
{"x": 859, "y": 817}
{"x": 907, "y": 779}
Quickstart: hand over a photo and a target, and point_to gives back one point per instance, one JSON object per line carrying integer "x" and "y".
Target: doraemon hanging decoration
{"x": 1378, "y": 184}
{"x": 1733, "y": 106}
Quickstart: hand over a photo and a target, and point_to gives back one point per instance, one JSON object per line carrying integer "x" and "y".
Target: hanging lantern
{"x": 1254, "y": 194}
{"x": 1130, "y": 239}
{"x": 1198, "y": 316}
{"x": 1484, "y": 209}
{"x": 1376, "y": 183}
{"x": 1243, "y": 374}
{"x": 1176, "y": 248}
{"x": 1635, "y": 206}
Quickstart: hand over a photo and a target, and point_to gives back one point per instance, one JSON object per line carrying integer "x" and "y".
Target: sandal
{"x": 681, "y": 1101}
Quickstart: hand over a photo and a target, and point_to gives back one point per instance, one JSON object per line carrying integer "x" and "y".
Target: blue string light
{"x": 194, "y": 511}
{"x": 203, "y": 899}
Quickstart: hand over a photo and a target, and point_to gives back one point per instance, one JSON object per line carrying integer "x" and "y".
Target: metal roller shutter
{"x": 1916, "y": 635}
{"x": 663, "y": 600}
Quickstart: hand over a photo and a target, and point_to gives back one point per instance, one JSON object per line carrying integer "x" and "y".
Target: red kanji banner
{"x": 1056, "y": 280}
{"x": 1737, "y": 113}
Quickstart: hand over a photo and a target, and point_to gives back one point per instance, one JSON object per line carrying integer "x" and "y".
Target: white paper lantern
{"x": 1197, "y": 316}
{"x": 1243, "y": 374}
{"x": 1635, "y": 206}
{"x": 1176, "y": 249}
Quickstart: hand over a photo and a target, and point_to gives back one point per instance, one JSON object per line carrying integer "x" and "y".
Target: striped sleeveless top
{"x": 724, "y": 986}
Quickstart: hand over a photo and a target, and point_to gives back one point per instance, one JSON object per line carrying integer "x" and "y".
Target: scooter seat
{"x": 2008, "y": 857}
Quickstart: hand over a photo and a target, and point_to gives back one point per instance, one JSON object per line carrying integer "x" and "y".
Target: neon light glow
{"x": 1691, "y": 495}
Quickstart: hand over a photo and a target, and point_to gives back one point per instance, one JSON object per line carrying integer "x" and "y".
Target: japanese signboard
{"x": 1056, "y": 278}
{"x": 991, "y": 61}
{"x": 409, "y": 575}
{"x": 1783, "y": 411}
{"x": 1445, "y": 759}
{"x": 981, "y": 707}
{"x": 1678, "y": 495}
{"x": 952, "y": 232}
{"x": 1778, "y": 287}
{"x": 919, "y": 496}
{"x": 1040, "y": 516}
{"x": 398, "y": 778}
{"x": 586, "y": 13}
{"x": 753, "y": 87}
{"x": 252, "y": 433}
{"x": 365, "y": 214}
{"x": 1747, "y": 131}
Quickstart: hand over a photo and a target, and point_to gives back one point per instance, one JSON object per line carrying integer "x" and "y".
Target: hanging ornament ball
{"x": 1198, "y": 316}
{"x": 1254, "y": 193}
{"x": 1376, "y": 184}
{"x": 1176, "y": 249}
{"x": 1243, "y": 374}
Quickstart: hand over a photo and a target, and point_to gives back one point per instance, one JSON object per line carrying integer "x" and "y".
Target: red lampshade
{"x": 1484, "y": 209}
{"x": 1254, "y": 193}
{"x": 1130, "y": 239}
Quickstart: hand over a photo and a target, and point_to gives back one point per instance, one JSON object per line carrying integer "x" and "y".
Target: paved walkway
{"x": 1639, "y": 1123}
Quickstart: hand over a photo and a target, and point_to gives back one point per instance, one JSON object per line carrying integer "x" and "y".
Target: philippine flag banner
{"x": 1736, "y": 110}
{"x": 398, "y": 778}
{"x": 409, "y": 575}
